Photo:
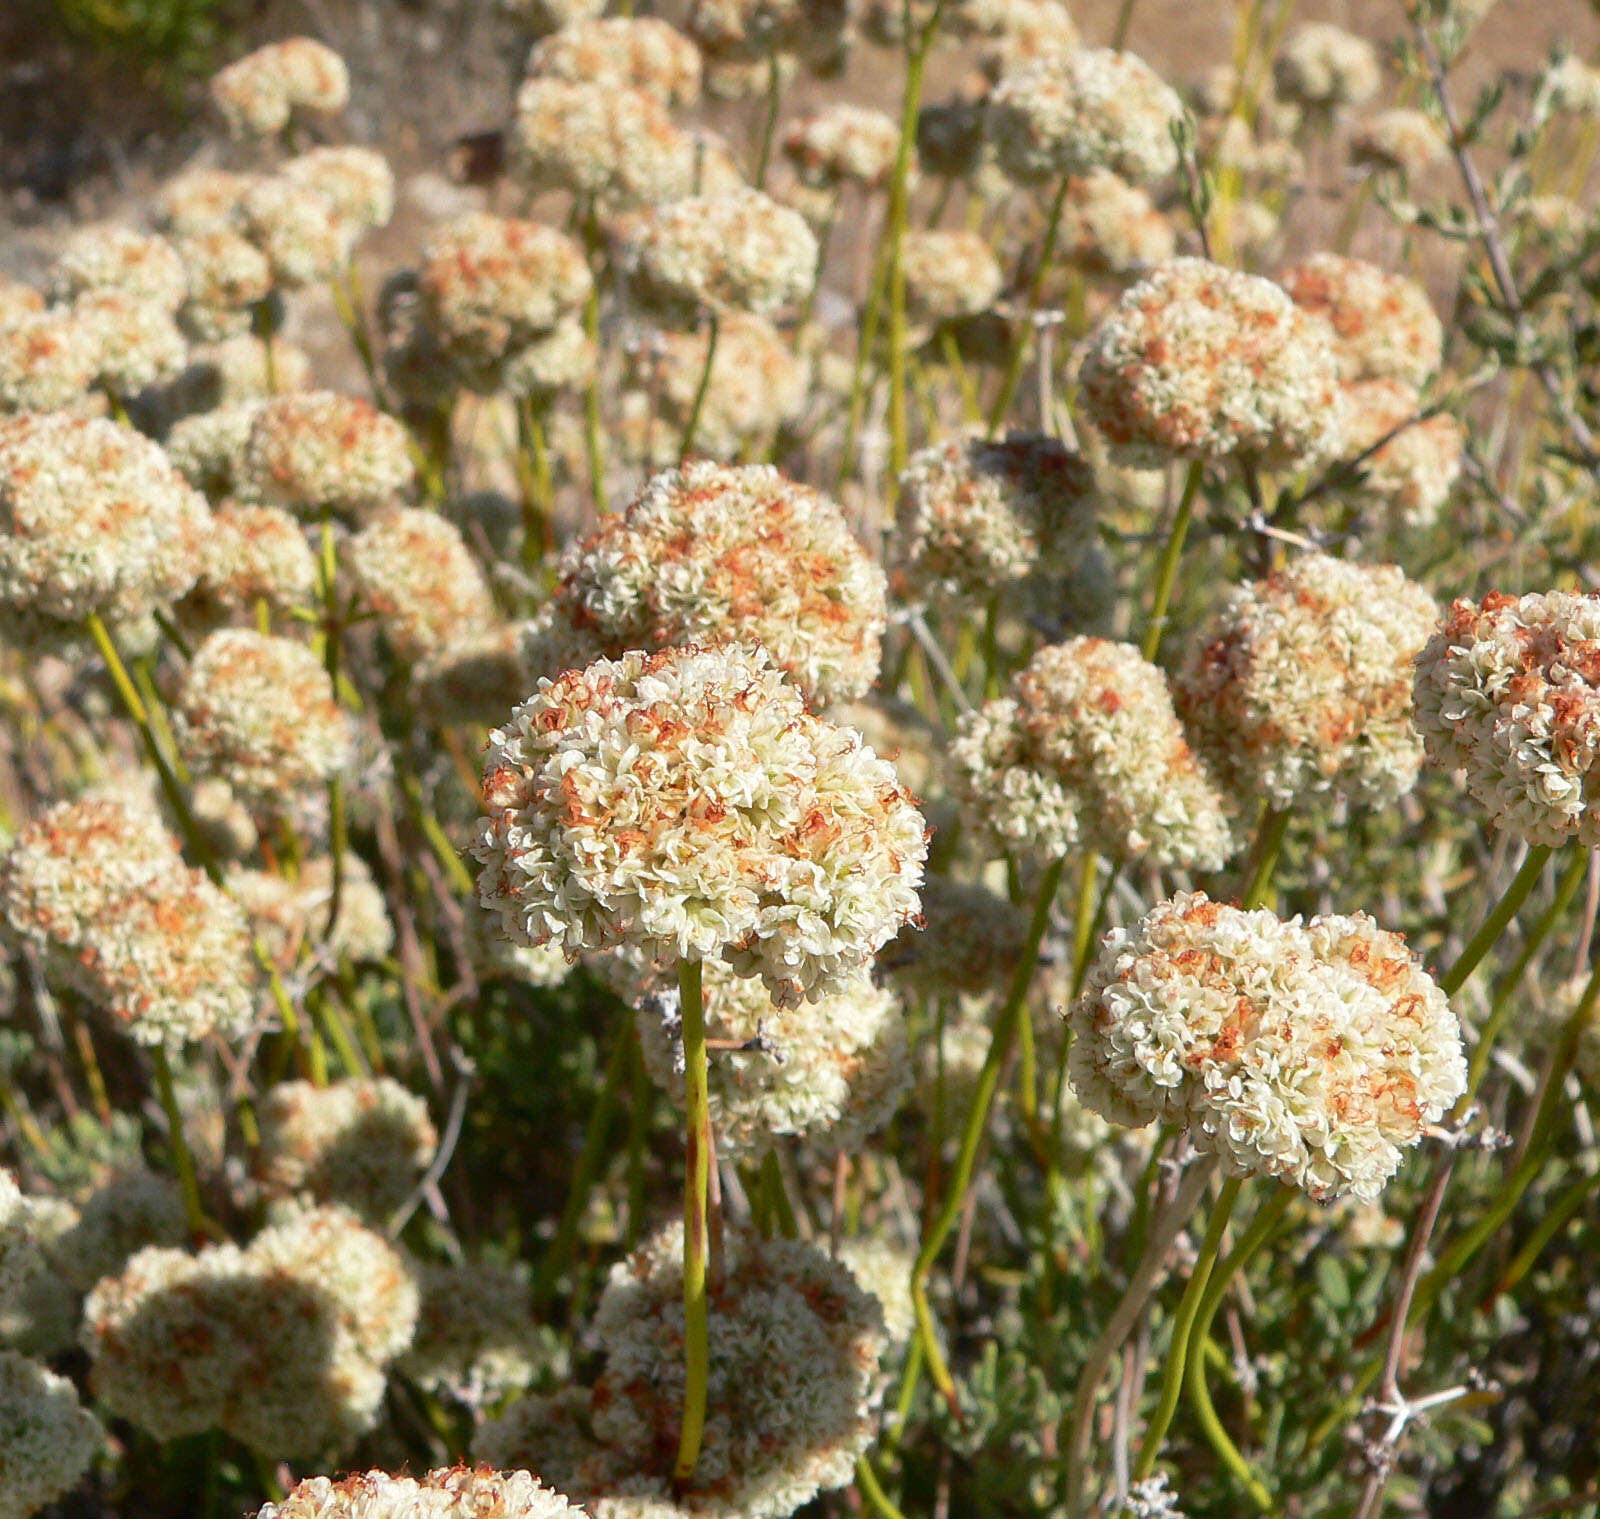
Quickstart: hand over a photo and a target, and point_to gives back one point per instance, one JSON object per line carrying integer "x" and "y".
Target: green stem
{"x": 777, "y": 1196}
{"x": 872, "y": 1491}
{"x": 182, "y": 1159}
{"x": 328, "y": 573}
{"x": 769, "y": 126}
{"x": 1017, "y": 357}
{"x": 1184, "y": 1346}
{"x": 1515, "y": 894}
{"x": 1167, "y": 570}
{"x": 533, "y": 481}
{"x": 1000, "y": 1043}
{"x": 1119, "y": 34}
{"x": 1264, "y": 856}
{"x": 687, "y": 446}
{"x": 696, "y": 1186}
{"x": 1559, "y": 1216}
{"x": 1265, "y": 1221}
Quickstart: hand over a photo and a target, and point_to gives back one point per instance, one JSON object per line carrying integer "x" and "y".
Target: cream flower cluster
{"x": 492, "y": 285}
{"x": 288, "y": 914}
{"x": 686, "y": 804}
{"x": 253, "y": 554}
{"x": 617, "y": 145}
{"x": 1410, "y": 476}
{"x": 1301, "y": 683}
{"x": 1326, "y": 67}
{"x": 99, "y": 888}
{"x": 830, "y": 1072}
{"x": 47, "y": 1439}
{"x": 1203, "y": 362}
{"x": 949, "y": 275}
{"x": 145, "y": 268}
{"x": 316, "y": 450}
{"x": 477, "y": 1337}
{"x": 136, "y": 344}
{"x": 967, "y": 940}
{"x": 622, "y": 53}
{"x": 282, "y": 1345}
{"x": 360, "y": 1142}
{"x": 843, "y": 144}
{"x": 412, "y": 568}
{"x": 1087, "y": 749}
{"x": 1383, "y": 325}
{"x": 18, "y": 1251}
{"x": 711, "y": 553}
{"x": 1312, "y": 1052}
{"x": 47, "y": 360}
{"x": 734, "y": 252}
{"x": 1112, "y": 227}
{"x": 1083, "y": 109}
{"x": 975, "y": 515}
{"x": 449, "y": 1493}
{"x": 228, "y": 275}
{"x": 258, "y": 93}
{"x": 93, "y": 518}
{"x": 792, "y": 1398}
{"x": 258, "y": 711}
{"x": 1400, "y": 141}
{"x": 1508, "y": 691}
{"x": 356, "y": 182}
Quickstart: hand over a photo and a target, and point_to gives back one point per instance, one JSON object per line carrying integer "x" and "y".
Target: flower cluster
{"x": 258, "y": 711}
{"x": 792, "y": 1399}
{"x": 1409, "y": 463}
{"x": 712, "y": 553}
{"x": 47, "y": 1440}
{"x": 1083, "y": 109}
{"x": 1325, "y": 68}
{"x": 1508, "y": 691}
{"x": 454, "y": 1493}
{"x": 252, "y": 554}
{"x": 315, "y": 450}
{"x": 1301, "y": 683}
{"x": 1202, "y": 362}
{"x": 99, "y": 889}
{"x": 1383, "y": 324}
{"x": 287, "y": 915}
{"x": 1111, "y": 227}
{"x": 686, "y": 804}
{"x": 975, "y": 515}
{"x": 618, "y": 145}
{"x": 1087, "y": 749}
{"x": 258, "y": 93}
{"x": 1310, "y": 1052}
{"x": 949, "y": 275}
{"x": 282, "y": 1344}
{"x": 622, "y": 52}
{"x": 843, "y": 144}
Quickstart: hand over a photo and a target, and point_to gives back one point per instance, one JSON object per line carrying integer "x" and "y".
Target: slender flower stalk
{"x": 1171, "y": 556}
{"x": 692, "y": 427}
{"x": 1017, "y": 357}
{"x": 696, "y": 1183}
{"x": 182, "y": 1158}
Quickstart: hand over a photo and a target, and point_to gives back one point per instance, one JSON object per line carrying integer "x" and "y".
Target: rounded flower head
{"x": 1203, "y": 362}
{"x": 287, "y": 914}
{"x": 686, "y": 804}
{"x": 1111, "y": 227}
{"x": 757, "y": 384}
{"x": 716, "y": 552}
{"x": 618, "y": 145}
{"x": 1383, "y": 324}
{"x": 949, "y": 275}
{"x": 298, "y": 229}
{"x": 1325, "y": 67}
{"x": 622, "y": 52}
{"x": 364, "y": 1143}
{"x": 254, "y": 553}
{"x": 1314, "y": 1053}
{"x": 47, "y": 361}
{"x": 47, "y": 1439}
{"x": 1411, "y": 476}
{"x": 1508, "y": 690}
{"x": 228, "y": 275}
{"x": 830, "y": 1072}
{"x": 19, "y": 1255}
{"x": 136, "y": 343}
{"x": 966, "y": 940}
{"x": 412, "y": 568}
{"x": 93, "y": 518}
{"x": 18, "y": 301}
{"x": 1086, "y": 747}
{"x": 1084, "y": 109}
{"x": 316, "y": 449}
{"x": 130, "y": 1211}
{"x": 199, "y": 200}
{"x": 491, "y": 284}
{"x": 357, "y": 182}
{"x": 976, "y": 515}
{"x": 843, "y": 144}
{"x": 259, "y": 712}
{"x": 257, "y": 93}
{"x": 737, "y": 252}
{"x": 142, "y": 267}
{"x": 1302, "y": 683}
{"x": 454, "y": 1493}
{"x": 792, "y": 1398}
{"x": 1401, "y": 141}
{"x": 282, "y": 1345}
{"x": 99, "y": 888}
{"x": 477, "y": 1337}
